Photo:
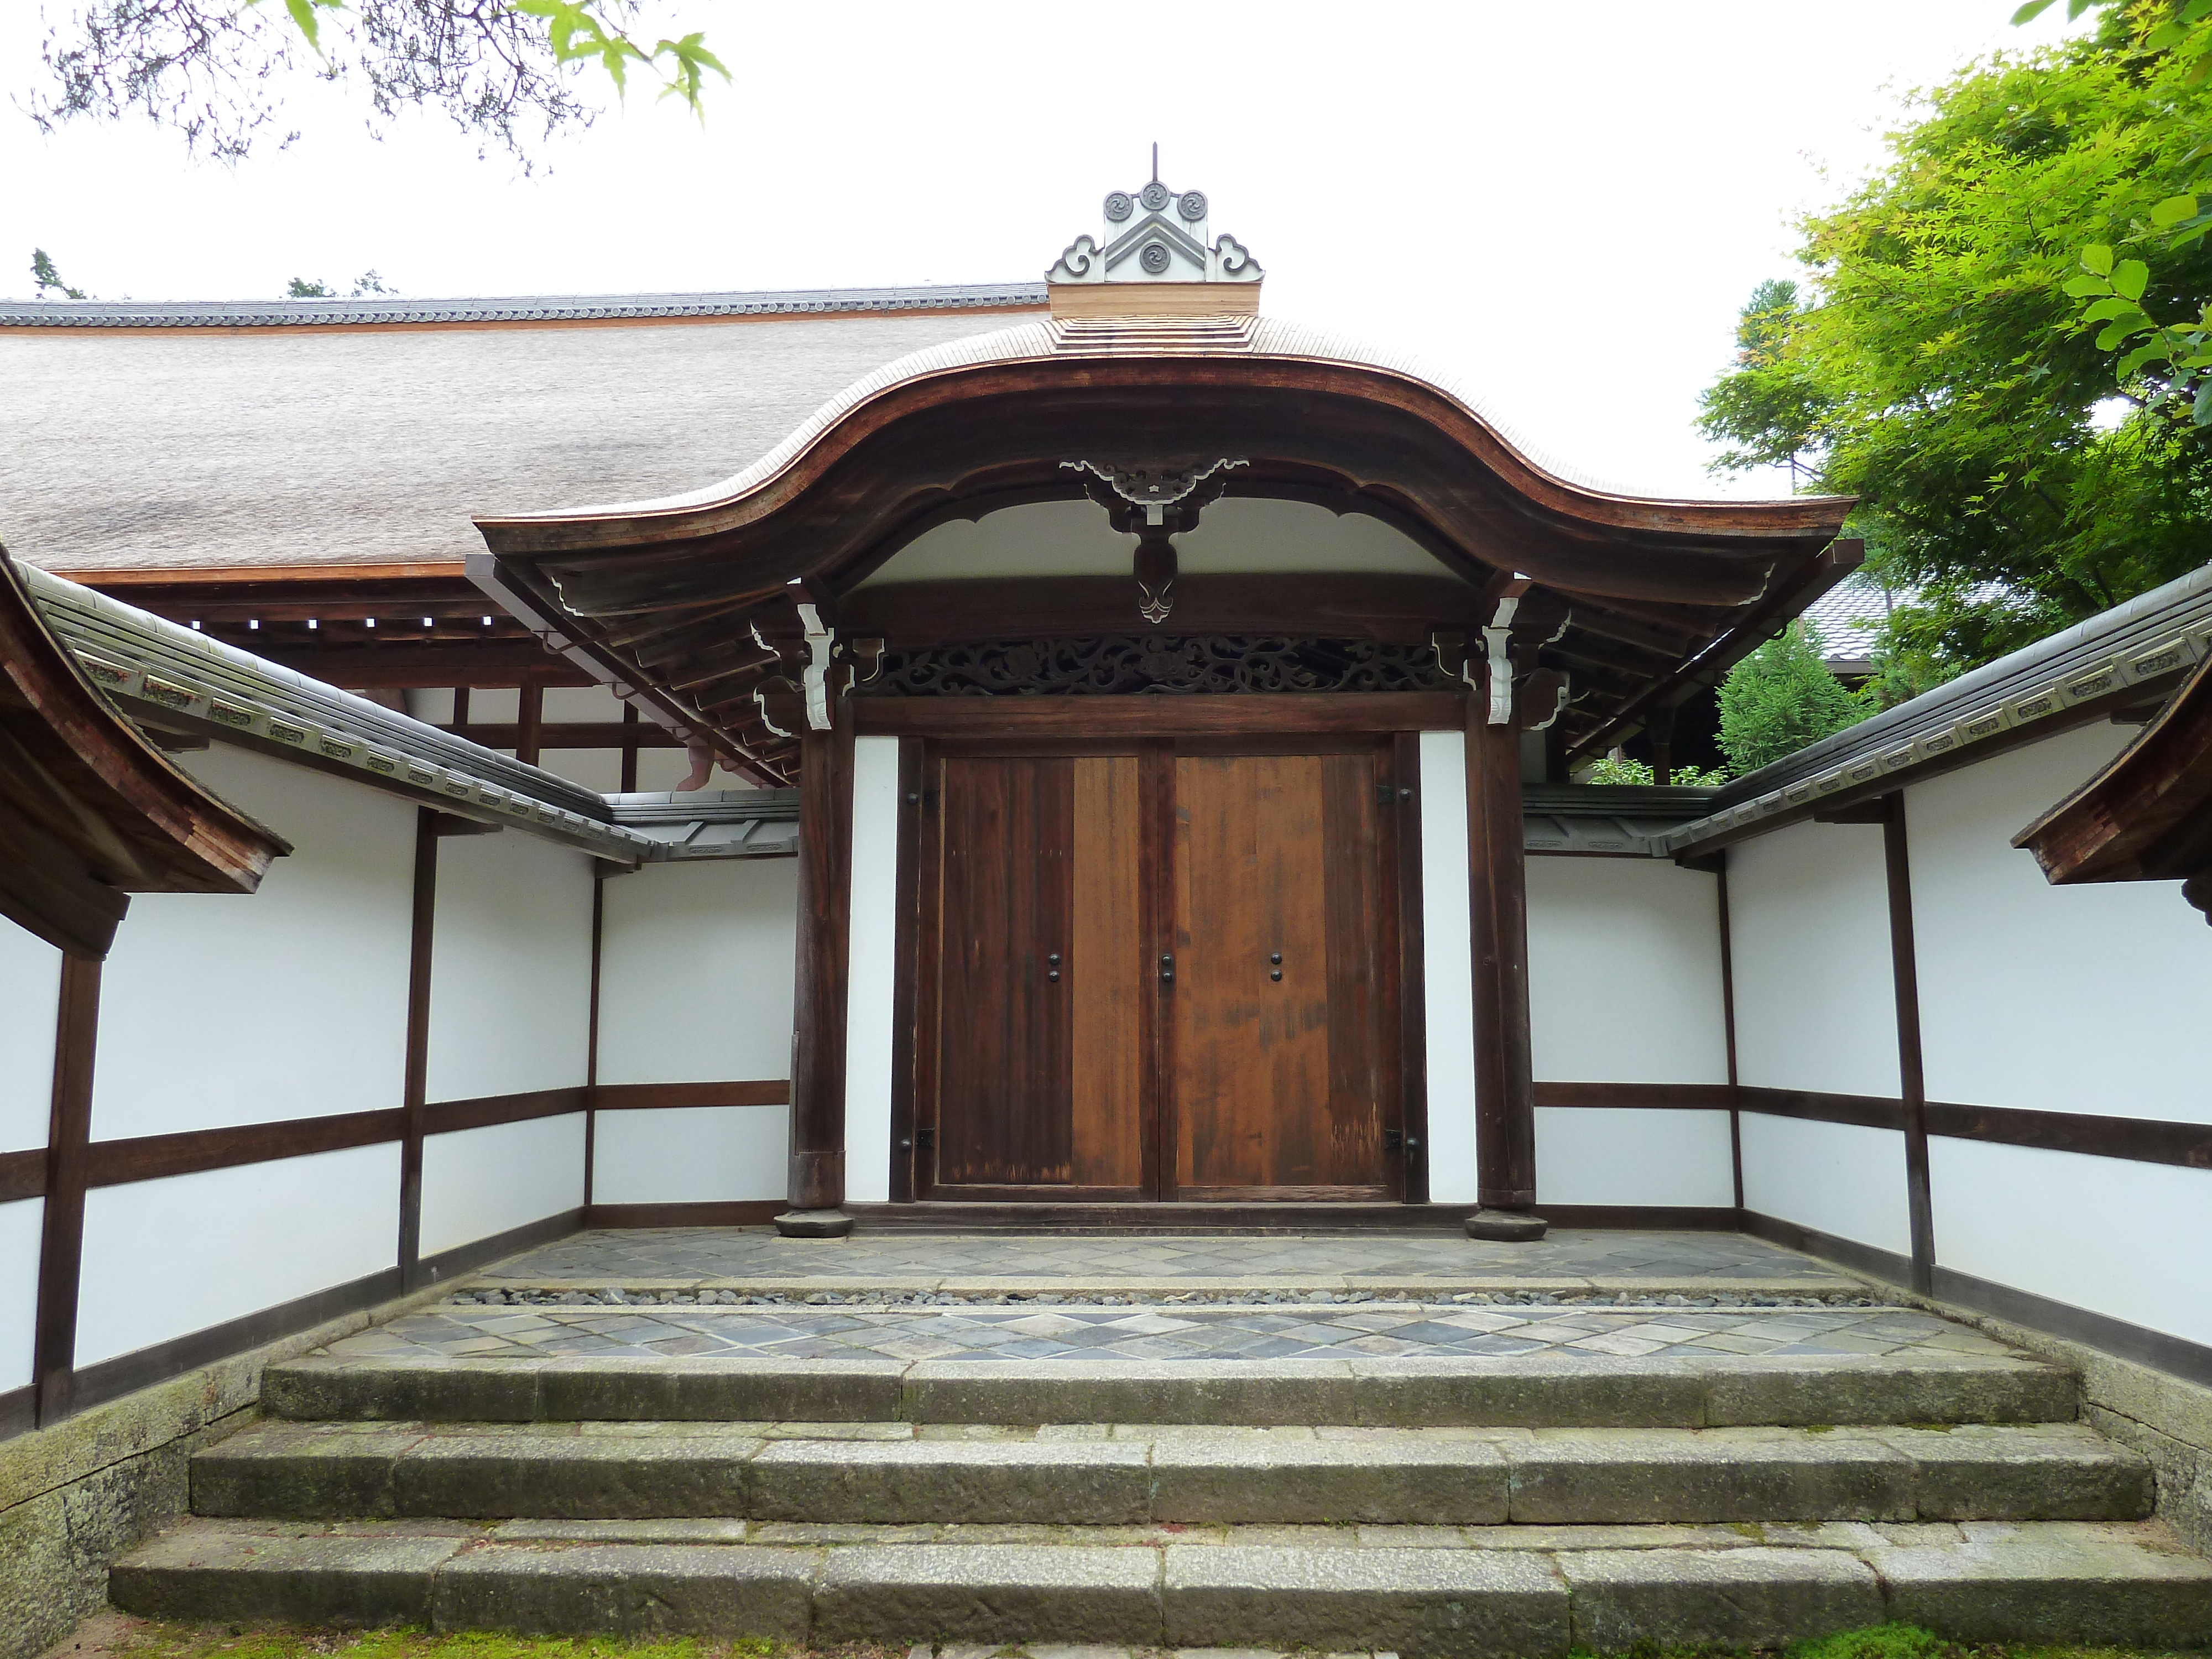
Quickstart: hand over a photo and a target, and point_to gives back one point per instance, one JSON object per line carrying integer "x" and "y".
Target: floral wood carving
{"x": 1121, "y": 664}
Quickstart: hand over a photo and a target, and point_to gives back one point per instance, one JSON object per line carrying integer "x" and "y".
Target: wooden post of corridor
{"x": 1505, "y": 1087}
{"x": 817, "y": 1036}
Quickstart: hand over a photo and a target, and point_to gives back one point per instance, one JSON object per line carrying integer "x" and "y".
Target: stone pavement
{"x": 1368, "y": 1330}
{"x": 739, "y": 1257}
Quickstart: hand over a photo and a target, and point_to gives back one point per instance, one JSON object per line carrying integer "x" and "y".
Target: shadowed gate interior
{"x": 1165, "y": 969}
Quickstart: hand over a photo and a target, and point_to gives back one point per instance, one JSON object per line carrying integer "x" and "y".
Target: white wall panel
{"x": 30, "y": 1002}
{"x": 868, "y": 992}
{"x": 1836, "y": 1177}
{"x": 698, "y": 1155}
{"x": 1624, "y": 972}
{"x": 165, "y": 1258}
{"x": 20, "y": 1224}
{"x": 2094, "y": 999}
{"x": 218, "y": 1009}
{"x": 1606, "y": 1155}
{"x": 694, "y": 972}
{"x": 2130, "y": 1240}
{"x": 476, "y": 1182}
{"x": 1815, "y": 994}
{"x": 510, "y": 967}
{"x": 1448, "y": 968}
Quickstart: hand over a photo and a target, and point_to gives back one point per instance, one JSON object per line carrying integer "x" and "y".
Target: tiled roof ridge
{"x": 525, "y": 308}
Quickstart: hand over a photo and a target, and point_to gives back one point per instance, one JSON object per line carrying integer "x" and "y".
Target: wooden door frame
{"x": 1157, "y": 739}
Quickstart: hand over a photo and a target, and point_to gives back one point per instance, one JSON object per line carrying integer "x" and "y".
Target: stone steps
{"x": 1579, "y": 1390}
{"x": 1509, "y": 1481}
{"x": 1477, "y": 1591}
{"x": 898, "y": 1474}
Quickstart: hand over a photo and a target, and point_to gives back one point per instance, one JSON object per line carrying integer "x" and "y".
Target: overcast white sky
{"x": 1560, "y": 207}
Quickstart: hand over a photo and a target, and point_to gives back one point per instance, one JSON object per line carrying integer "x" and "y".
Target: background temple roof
{"x": 156, "y": 442}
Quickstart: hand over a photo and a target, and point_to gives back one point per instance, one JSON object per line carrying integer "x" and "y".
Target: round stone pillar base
{"x": 814, "y": 1224}
{"x": 1506, "y": 1226}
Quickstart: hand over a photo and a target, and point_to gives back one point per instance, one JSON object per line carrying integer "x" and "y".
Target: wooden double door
{"x": 1168, "y": 971}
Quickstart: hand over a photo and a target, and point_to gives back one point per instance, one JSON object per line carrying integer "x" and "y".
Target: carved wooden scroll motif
{"x": 1155, "y": 662}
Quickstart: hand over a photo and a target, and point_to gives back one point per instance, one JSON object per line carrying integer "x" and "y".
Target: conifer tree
{"x": 1780, "y": 698}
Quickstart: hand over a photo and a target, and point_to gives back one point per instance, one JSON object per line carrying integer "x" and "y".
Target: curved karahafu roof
{"x": 688, "y": 598}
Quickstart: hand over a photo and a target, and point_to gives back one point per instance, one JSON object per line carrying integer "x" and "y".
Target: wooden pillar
{"x": 530, "y": 721}
{"x": 1505, "y": 1087}
{"x": 630, "y": 734}
{"x": 69, "y": 1138}
{"x": 414, "y": 1086}
{"x": 1660, "y": 728}
{"x": 1912, "y": 1083}
{"x": 818, "y": 1037}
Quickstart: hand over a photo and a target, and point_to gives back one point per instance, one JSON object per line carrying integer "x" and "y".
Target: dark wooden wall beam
{"x": 69, "y": 1135}
{"x": 817, "y": 1047}
{"x": 1413, "y": 1034}
{"x": 413, "y": 1089}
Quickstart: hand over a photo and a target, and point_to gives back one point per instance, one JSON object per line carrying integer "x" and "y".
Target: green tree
{"x": 215, "y": 71}
{"x": 2005, "y": 480}
{"x": 1780, "y": 698}
{"x": 1770, "y": 402}
{"x": 44, "y": 274}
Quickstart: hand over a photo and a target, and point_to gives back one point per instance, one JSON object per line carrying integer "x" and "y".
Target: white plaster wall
{"x": 1607, "y": 1155}
{"x": 163, "y": 1259}
{"x": 476, "y": 1182}
{"x": 219, "y": 1009}
{"x": 2093, "y": 999}
{"x": 1448, "y": 968}
{"x": 2002, "y": 1213}
{"x": 1815, "y": 991}
{"x": 694, "y": 972}
{"x": 699, "y": 1155}
{"x": 20, "y": 1227}
{"x": 1837, "y": 1177}
{"x": 510, "y": 967}
{"x": 1624, "y": 972}
{"x": 30, "y": 1002}
{"x": 874, "y": 953}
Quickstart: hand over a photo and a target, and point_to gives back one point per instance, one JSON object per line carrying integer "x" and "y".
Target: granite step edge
{"x": 2108, "y": 1586}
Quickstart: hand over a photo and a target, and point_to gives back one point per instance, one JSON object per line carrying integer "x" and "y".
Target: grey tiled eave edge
{"x": 548, "y": 308}
{"x": 2145, "y": 645}
{"x": 176, "y": 678}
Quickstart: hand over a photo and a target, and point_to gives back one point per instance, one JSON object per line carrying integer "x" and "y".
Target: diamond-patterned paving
{"x": 1364, "y": 1331}
{"x": 694, "y": 1255}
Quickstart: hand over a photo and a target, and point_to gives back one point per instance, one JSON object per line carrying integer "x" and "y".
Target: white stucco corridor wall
{"x": 695, "y": 964}
{"x": 1624, "y": 986}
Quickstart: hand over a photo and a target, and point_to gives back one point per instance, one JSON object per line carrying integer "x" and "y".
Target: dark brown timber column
{"x": 1505, "y": 1090}
{"x": 415, "y": 1084}
{"x": 61, "y": 1251}
{"x": 818, "y": 1037}
{"x": 1912, "y": 1076}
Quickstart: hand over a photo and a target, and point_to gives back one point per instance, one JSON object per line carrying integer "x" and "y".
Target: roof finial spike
{"x": 1156, "y": 161}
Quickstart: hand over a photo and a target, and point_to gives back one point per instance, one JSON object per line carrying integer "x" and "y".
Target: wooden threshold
{"x": 1265, "y": 1216}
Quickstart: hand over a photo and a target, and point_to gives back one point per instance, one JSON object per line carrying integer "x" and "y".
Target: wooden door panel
{"x": 1108, "y": 975}
{"x": 1003, "y": 1094}
{"x": 1361, "y": 930}
{"x": 1281, "y": 1087}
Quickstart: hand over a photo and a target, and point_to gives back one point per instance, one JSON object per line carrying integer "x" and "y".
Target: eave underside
{"x": 1639, "y": 604}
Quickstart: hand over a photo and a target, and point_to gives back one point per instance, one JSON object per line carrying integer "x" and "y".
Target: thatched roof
{"x": 217, "y": 439}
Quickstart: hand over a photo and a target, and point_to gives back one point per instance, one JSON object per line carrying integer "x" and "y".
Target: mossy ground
{"x": 116, "y": 1636}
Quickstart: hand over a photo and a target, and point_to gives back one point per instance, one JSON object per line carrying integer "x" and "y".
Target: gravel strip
{"x": 879, "y": 1300}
